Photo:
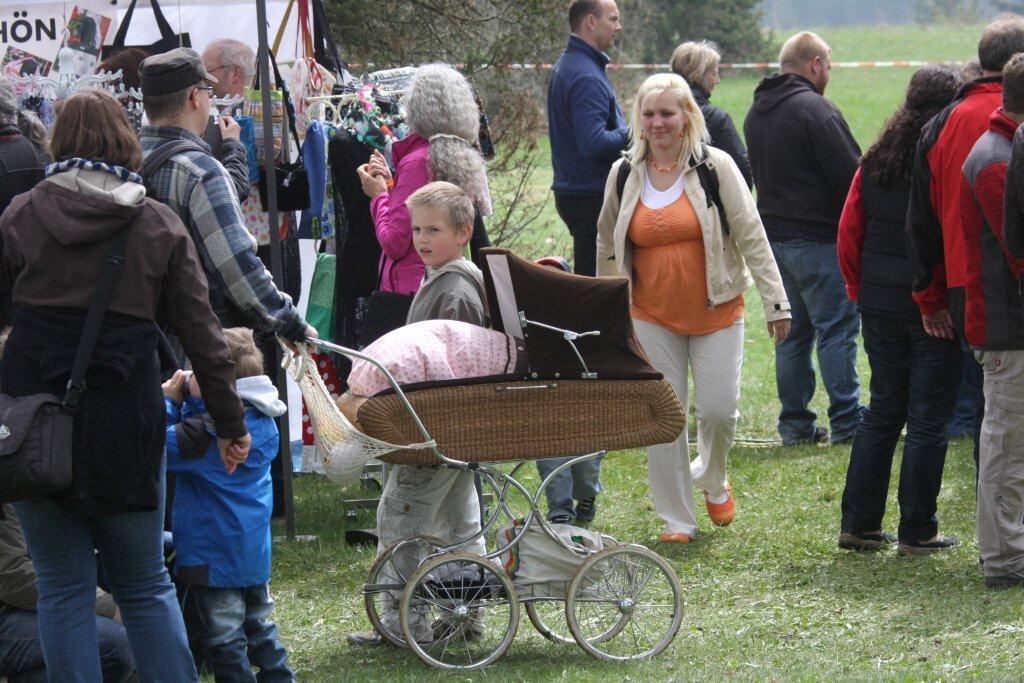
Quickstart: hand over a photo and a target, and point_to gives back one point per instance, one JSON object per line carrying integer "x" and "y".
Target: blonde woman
{"x": 698, "y": 62}
{"x": 687, "y": 261}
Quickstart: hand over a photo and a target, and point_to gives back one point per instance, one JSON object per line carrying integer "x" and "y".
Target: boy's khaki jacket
{"x": 727, "y": 257}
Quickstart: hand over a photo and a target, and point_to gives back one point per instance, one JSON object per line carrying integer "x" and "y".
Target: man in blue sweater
{"x": 585, "y": 124}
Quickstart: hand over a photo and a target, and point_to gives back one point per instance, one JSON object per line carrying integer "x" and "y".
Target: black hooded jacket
{"x": 723, "y": 132}
{"x": 803, "y": 157}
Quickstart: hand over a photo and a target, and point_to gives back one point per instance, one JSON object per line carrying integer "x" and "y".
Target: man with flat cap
{"x": 176, "y": 92}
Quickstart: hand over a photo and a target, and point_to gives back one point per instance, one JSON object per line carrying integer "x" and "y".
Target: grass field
{"x": 770, "y": 597}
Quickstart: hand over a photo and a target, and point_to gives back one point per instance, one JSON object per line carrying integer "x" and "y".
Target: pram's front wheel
{"x": 459, "y": 611}
{"x": 624, "y": 603}
{"x": 389, "y": 574}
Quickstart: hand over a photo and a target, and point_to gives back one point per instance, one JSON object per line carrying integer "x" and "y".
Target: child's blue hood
{"x": 261, "y": 393}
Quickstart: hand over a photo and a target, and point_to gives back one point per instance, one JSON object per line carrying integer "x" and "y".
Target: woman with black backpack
{"x": 684, "y": 229}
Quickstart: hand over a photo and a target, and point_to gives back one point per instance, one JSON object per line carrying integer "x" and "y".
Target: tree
{"x": 478, "y": 35}
{"x": 932, "y": 11}
{"x": 734, "y": 25}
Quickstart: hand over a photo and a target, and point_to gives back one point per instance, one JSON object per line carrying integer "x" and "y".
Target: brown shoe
{"x": 932, "y": 545}
{"x": 366, "y": 639}
{"x": 866, "y": 541}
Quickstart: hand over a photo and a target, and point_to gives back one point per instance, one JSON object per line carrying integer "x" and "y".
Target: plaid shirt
{"x": 198, "y": 188}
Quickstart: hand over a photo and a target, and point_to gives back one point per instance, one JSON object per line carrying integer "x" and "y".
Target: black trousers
{"x": 580, "y": 212}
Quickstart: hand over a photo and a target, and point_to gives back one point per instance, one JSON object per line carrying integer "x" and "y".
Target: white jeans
{"x": 716, "y": 359}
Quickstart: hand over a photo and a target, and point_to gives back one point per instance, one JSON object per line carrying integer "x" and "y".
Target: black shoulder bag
{"x": 292, "y": 181}
{"x": 36, "y": 430}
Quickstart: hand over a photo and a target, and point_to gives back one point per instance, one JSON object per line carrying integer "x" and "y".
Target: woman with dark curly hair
{"x": 914, "y": 376}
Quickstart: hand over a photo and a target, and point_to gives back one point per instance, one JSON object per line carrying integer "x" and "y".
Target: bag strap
{"x": 280, "y": 29}
{"x": 122, "y": 30}
{"x": 161, "y": 154}
{"x": 324, "y": 47}
{"x": 620, "y": 179}
{"x": 165, "y": 28}
{"x": 98, "y": 305}
{"x": 289, "y": 108}
{"x": 709, "y": 181}
{"x": 161, "y": 21}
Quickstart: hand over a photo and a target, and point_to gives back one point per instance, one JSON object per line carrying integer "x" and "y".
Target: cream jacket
{"x": 727, "y": 257}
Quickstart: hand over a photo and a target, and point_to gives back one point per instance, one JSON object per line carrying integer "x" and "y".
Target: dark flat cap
{"x": 172, "y": 71}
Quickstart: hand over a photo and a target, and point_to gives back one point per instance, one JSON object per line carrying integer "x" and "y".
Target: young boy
{"x": 431, "y": 500}
{"x": 221, "y": 521}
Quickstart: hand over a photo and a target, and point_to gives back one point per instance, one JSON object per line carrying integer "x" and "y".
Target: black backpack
{"x": 708, "y": 180}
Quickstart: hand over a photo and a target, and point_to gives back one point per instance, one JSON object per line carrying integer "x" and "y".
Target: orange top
{"x": 670, "y": 285}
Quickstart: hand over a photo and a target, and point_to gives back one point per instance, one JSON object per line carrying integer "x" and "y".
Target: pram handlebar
{"x": 352, "y": 353}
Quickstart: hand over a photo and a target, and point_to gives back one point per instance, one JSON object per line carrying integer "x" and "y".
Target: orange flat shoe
{"x": 675, "y": 537}
{"x": 721, "y": 514}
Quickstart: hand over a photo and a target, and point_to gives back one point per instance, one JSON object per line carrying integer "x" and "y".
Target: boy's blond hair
{"x": 247, "y": 357}
{"x": 449, "y": 198}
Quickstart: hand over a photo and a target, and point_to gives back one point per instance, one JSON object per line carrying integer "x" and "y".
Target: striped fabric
{"x": 198, "y": 188}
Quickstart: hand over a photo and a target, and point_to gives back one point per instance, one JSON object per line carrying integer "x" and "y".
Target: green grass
{"x": 770, "y": 597}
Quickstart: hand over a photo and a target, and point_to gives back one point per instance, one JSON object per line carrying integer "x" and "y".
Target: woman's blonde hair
{"x": 693, "y": 60}
{"x": 696, "y": 132}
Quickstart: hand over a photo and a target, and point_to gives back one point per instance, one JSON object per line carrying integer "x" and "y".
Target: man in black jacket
{"x": 803, "y": 158}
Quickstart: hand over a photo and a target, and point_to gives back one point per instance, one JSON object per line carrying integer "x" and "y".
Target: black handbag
{"x": 292, "y": 181}
{"x": 167, "y": 42}
{"x": 36, "y": 430}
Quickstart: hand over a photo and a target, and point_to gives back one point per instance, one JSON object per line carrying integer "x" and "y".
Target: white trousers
{"x": 716, "y": 359}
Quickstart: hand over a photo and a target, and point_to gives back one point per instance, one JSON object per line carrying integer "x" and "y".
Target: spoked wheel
{"x": 389, "y": 574}
{"x": 624, "y": 603}
{"x": 548, "y": 617}
{"x": 459, "y": 611}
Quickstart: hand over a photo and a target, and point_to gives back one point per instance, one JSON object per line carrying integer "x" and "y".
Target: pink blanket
{"x": 433, "y": 350}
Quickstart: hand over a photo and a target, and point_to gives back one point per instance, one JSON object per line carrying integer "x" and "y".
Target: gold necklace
{"x": 663, "y": 170}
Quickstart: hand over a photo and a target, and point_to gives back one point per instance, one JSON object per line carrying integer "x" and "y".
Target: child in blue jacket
{"x": 221, "y": 521}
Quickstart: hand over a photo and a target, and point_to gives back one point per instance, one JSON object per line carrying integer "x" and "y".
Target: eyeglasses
{"x": 221, "y": 66}
{"x": 208, "y": 89}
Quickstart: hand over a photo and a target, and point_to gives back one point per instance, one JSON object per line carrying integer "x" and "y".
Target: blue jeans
{"x": 581, "y": 481}
{"x": 821, "y": 314}
{"x": 21, "y": 655}
{"x": 62, "y": 545}
{"x": 238, "y": 634}
{"x": 914, "y": 380}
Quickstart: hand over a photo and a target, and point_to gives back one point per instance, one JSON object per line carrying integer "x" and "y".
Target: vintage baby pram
{"x": 573, "y": 392}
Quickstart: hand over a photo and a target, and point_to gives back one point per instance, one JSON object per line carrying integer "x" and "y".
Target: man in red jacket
{"x": 934, "y": 234}
{"x": 994, "y": 328}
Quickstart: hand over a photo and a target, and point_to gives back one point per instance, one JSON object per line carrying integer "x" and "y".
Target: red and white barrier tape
{"x": 667, "y": 67}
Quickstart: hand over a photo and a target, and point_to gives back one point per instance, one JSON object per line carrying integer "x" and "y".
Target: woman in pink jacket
{"x": 444, "y": 126}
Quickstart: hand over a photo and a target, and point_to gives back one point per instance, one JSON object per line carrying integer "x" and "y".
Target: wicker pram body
{"x": 523, "y": 420}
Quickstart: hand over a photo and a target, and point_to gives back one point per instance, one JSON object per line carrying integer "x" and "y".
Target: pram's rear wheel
{"x": 548, "y": 617}
{"x": 388, "y": 576}
{"x": 459, "y": 611}
{"x": 624, "y": 603}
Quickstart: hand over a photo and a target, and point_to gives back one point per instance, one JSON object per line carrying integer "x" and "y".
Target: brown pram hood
{"x": 518, "y": 289}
